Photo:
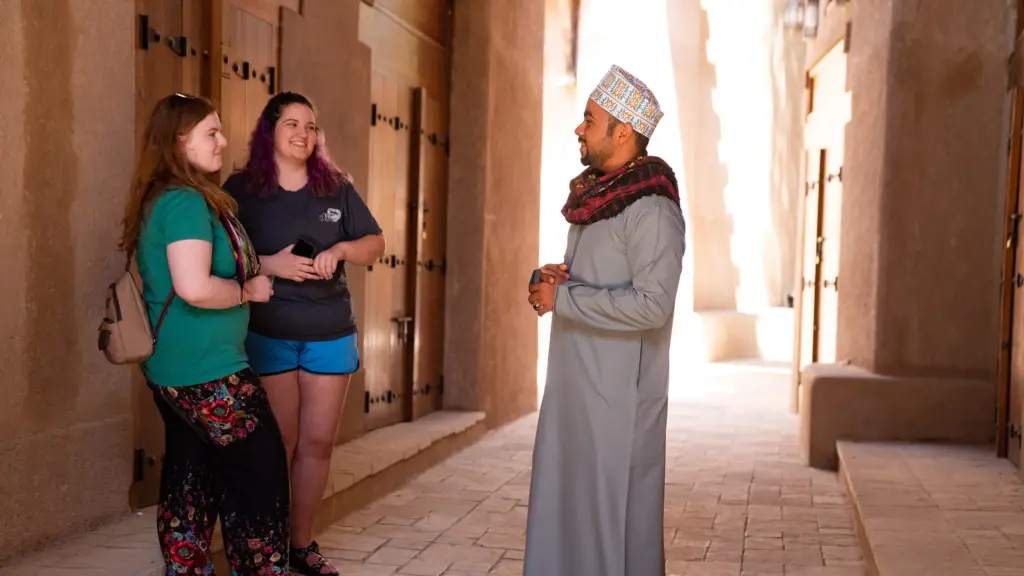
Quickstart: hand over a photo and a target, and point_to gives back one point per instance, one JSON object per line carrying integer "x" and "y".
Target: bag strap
{"x": 163, "y": 313}
{"x": 167, "y": 303}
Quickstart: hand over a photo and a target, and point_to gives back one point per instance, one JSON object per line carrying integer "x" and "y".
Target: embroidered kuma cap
{"x": 629, "y": 100}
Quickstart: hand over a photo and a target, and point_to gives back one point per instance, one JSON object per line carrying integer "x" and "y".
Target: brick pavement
{"x": 740, "y": 501}
{"x": 938, "y": 508}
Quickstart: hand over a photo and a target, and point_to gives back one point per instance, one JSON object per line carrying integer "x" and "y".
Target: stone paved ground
{"x": 938, "y": 508}
{"x": 740, "y": 502}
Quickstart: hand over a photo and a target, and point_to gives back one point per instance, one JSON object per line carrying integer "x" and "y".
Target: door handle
{"x": 404, "y": 323}
{"x": 834, "y": 283}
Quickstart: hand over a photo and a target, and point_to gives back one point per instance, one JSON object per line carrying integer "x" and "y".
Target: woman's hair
{"x": 261, "y": 170}
{"x": 163, "y": 164}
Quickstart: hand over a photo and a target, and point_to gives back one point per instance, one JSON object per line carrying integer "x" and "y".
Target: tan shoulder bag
{"x": 125, "y": 336}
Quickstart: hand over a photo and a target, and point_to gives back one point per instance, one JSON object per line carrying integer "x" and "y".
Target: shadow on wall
{"x": 739, "y": 84}
{"x": 787, "y": 68}
{"x": 51, "y": 179}
{"x": 715, "y": 275}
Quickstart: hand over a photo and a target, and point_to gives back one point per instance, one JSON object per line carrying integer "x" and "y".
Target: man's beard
{"x": 586, "y": 159}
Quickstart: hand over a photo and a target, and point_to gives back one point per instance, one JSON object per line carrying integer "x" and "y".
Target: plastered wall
{"x": 923, "y": 176}
{"x": 66, "y": 153}
{"x": 739, "y": 83}
{"x": 494, "y": 179}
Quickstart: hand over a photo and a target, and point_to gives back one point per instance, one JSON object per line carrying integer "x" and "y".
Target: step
{"x": 765, "y": 334}
{"x": 935, "y": 509}
{"x": 362, "y": 471}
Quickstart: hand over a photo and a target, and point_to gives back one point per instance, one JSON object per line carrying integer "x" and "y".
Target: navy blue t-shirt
{"x": 314, "y": 310}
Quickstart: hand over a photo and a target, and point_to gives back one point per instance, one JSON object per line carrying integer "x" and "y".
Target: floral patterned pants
{"x": 224, "y": 457}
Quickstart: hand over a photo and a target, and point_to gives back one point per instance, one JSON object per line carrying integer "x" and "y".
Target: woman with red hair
{"x": 224, "y": 452}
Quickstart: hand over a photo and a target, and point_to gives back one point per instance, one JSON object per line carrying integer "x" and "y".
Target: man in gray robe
{"x": 597, "y": 492}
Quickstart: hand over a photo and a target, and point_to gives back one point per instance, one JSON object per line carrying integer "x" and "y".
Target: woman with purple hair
{"x": 307, "y": 222}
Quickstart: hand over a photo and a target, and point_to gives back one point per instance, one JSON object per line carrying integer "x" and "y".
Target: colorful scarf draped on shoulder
{"x": 247, "y": 261}
{"x": 594, "y": 196}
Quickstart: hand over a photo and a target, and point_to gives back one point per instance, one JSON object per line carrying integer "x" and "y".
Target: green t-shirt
{"x": 194, "y": 345}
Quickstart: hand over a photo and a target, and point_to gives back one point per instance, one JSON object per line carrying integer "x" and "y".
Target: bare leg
{"x": 323, "y": 399}
{"x": 283, "y": 391}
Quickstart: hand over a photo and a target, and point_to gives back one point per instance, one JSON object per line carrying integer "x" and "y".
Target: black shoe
{"x": 310, "y": 562}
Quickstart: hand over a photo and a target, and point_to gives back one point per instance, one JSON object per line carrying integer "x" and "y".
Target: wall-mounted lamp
{"x": 802, "y": 16}
{"x": 793, "y": 17}
{"x": 811, "y": 19}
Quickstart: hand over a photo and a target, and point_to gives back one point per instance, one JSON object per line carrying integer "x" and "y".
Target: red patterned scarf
{"x": 594, "y": 196}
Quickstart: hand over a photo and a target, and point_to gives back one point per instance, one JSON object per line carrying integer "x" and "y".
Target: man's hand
{"x": 542, "y": 295}
{"x": 556, "y": 273}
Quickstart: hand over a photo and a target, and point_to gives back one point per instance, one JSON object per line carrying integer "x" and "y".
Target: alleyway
{"x": 740, "y": 501}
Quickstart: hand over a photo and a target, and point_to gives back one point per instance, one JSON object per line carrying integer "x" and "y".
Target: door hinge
{"x": 140, "y": 463}
{"x": 179, "y": 46}
{"x": 144, "y": 32}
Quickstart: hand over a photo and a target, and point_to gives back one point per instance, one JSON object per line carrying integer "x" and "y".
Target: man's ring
{"x": 536, "y": 306}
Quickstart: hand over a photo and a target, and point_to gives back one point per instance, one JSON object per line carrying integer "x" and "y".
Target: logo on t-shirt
{"x": 332, "y": 215}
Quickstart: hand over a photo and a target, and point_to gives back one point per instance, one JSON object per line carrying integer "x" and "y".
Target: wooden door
{"x": 221, "y": 49}
{"x": 427, "y": 242}
{"x": 388, "y": 324}
{"x": 1011, "y": 430}
{"x": 1011, "y": 353}
{"x": 828, "y": 112}
{"x": 807, "y": 304}
{"x": 247, "y": 57}
{"x": 171, "y": 55}
{"x": 402, "y": 324}
{"x": 1010, "y": 372}
{"x": 831, "y": 225}
{"x": 827, "y": 131}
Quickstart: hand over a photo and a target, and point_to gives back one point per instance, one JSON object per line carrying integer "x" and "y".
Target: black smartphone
{"x": 303, "y": 247}
{"x": 535, "y": 277}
